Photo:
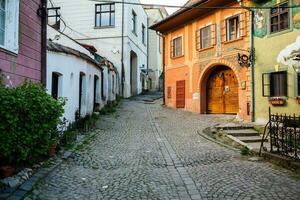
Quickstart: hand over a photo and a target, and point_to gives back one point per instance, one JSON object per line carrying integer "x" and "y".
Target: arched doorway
{"x": 222, "y": 91}
{"x": 133, "y": 73}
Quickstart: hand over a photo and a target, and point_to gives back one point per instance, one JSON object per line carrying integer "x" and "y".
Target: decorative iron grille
{"x": 284, "y": 132}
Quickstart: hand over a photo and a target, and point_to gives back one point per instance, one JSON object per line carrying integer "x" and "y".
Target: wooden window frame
{"x": 111, "y": 11}
{"x": 298, "y": 84}
{"x": 268, "y": 83}
{"x": 237, "y": 28}
{"x": 212, "y": 37}
{"x": 278, "y": 14}
{"x": 174, "y": 47}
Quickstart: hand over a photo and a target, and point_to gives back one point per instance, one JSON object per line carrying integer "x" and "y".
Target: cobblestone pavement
{"x": 145, "y": 151}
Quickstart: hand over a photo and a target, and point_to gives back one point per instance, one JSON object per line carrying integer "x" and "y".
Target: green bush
{"x": 28, "y": 122}
{"x": 245, "y": 151}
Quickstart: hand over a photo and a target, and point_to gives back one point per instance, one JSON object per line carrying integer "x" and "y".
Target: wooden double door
{"x": 222, "y": 92}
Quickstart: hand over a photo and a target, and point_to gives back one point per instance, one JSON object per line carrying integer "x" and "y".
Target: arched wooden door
{"x": 222, "y": 92}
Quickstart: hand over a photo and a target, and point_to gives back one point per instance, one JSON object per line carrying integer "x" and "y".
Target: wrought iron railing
{"x": 284, "y": 134}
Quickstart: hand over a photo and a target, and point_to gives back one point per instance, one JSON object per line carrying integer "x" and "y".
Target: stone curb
{"x": 27, "y": 186}
{"x": 217, "y": 142}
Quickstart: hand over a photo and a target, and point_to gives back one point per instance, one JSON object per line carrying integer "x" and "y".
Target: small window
{"x": 105, "y": 15}
{"x": 203, "y": 38}
{"x": 133, "y": 22}
{"x": 275, "y": 84}
{"x": 56, "y": 85}
{"x": 9, "y": 25}
{"x": 176, "y": 47}
{"x": 54, "y": 17}
{"x": 169, "y": 92}
{"x": 232, "y": 28}
{"x": 143, "y": 34}
{"x": 279, "y": 18}
{"x": 298, "y": 83}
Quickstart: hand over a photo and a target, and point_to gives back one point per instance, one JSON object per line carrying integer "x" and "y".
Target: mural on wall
{"x": 261, "y": 17}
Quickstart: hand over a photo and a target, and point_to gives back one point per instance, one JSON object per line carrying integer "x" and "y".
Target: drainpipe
{"x": 252, "y": 51}
{"x": 122, "y": 56}
{"x": 43, "y": 14}
{"x": 164, "y": 61}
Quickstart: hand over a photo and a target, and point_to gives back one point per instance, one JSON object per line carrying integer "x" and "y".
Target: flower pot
{"x": 52, "y": 151}
{"x": 7, "y": 171}
{"x": 277, "y": 102}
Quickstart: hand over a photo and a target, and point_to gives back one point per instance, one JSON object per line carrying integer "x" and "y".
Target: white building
{"x": 101, "y": 24}
{"x": 155, "y": 47}
{"x": 73, "y": 74}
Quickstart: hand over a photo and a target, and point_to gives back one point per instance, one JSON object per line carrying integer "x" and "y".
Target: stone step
{"x": 234, "y": 126}
{"x": 250, "y": 139}
{"x": 242, "y": 132}
{"x": 256, "y": 145}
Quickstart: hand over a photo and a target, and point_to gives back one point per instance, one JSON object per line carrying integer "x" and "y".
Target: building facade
{"x": 155, "y": 47}
{"x": 206, "y": 59}
{"x": 21, "y": 35}
{"x": 277, "y": 85}
{"x": 119, "y": 33}
{"x": 74, "y": 74}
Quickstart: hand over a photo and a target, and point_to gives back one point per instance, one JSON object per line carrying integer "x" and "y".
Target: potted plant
{"x": 277, "y": 101}
{"x": 7, "y": 170}
{"x": 53, "y": 143}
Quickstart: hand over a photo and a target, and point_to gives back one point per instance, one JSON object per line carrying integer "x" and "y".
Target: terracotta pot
{"x": 7, "y": 171}
{"x": 52, "y": 151}
{"x": 277, "y": 102}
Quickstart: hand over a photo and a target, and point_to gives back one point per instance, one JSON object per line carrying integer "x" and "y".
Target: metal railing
{"x": 284, "y": 134}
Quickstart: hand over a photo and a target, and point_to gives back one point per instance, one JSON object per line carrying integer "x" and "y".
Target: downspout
{"x": 164, "y": 61}
{"x": 252, "y": 53}
{"x": 148, "y": 53}
{"x": 43, "y": 14}
{"x": 122, "y": 56}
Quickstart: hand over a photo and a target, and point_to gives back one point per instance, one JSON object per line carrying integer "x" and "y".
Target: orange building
{"x": 206, "y": 58}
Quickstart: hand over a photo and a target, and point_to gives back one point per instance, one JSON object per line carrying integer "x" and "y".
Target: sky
{"x": 166, "y": 2}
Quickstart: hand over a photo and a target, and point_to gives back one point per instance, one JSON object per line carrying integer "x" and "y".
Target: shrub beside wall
{"x": 28, "y": 122}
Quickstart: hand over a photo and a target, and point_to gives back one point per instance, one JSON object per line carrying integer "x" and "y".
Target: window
{"x": 54, "y": 17}
{"x": 133, "y": 22}
{"x": 176, "y": 47}
{"x": 9, "y": 25}
{"x": 143, "y": 34}
{"x": 203, "y": 38}
{"x": 169, "y": 92}
{"x": 279, "y": 18}
{"x": 96, "y": 92}
{"x": 232, "y": 28}
{"x": 102, "y": 86}
{"x": 105, "y": 15}
{"x": 275, "y": 84}
{"x": 298, "y": 81}
{"x": 56, "y": 85}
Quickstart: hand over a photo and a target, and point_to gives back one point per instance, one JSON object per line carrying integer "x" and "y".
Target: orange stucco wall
{"x": 194, "y": 66}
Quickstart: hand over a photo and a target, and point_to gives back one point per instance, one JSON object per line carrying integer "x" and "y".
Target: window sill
{"x": 204, "y": 49}
{"x": 177, "y": 57}
{"x": 279, "y": 33}
{"x": 234, "y": 40}
{"x": 277, "y": 101}
{"x": 103, "y": 27}
{"x": 3, "y": 49}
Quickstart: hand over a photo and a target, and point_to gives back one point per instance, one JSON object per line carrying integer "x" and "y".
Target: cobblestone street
{"x": 146, "y": 151}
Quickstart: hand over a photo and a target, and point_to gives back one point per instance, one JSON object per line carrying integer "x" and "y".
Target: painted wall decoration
{"x": 261, "y": 17}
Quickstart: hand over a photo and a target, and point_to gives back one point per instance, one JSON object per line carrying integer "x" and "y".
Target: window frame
{"x": 269, "y": 84}
{"x": 11, "y": 32}
{"x": 278, "y": 15}
{"x": 134, "y": 22}
{"x": 173, "y": 47}
{"x": 144, "y": 34}
{"x": 237, "y": 30}
{"x": 99, "y": 13}
{"x": 199, "y": 37}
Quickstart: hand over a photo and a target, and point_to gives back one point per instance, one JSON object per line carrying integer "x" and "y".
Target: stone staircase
{"x": 245, "y": 135}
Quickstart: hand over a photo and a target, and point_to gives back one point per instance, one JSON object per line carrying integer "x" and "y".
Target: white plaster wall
{"x": 80, "y": 16}
{"x": 69, "y": 67}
